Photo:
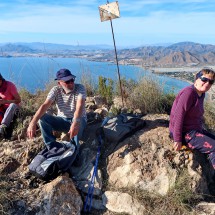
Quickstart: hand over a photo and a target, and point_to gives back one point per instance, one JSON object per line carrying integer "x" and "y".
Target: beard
{"x": 67, "y": 90}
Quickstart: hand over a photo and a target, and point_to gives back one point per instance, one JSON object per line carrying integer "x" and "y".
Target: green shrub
{"x": 88, "y": 82}
{"x": 28, "y": 102}
{"x": 167, "y": 102}
{"x": 105, "y": 89}
{"x": 149, "y": 97}
{"x": 127, "y": 87}
{"x": 209, "y": 117}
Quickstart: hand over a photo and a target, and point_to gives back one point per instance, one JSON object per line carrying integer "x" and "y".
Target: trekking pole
{"x": 88, "y": 201}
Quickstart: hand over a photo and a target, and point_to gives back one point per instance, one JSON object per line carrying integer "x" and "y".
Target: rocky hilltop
{"x": 140, "y": 175}
{"x": 176, "y": 55}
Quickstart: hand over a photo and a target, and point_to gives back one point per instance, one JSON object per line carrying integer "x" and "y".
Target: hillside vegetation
{"x": 144, "y": 96}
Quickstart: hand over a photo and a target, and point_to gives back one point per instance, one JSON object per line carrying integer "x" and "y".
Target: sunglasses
{"x": 204, "y": 79}
{"x": 70, "y": 81}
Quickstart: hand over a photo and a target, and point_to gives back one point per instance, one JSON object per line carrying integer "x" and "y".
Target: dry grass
{"x": 209, "y": 117}
{"x": 148, "y": 96}
{"x": 179, "y": 200}
{"x": 88, "y": 82}
{"x": 4, "y": 199}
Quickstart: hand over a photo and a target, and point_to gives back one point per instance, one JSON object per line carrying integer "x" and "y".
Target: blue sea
{"x": 33, "y": 73}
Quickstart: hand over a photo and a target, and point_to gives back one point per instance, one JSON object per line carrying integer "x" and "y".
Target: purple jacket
{"x": 186, "y": 113}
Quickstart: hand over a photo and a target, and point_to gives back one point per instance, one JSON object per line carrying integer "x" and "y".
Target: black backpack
{"x": 49, "y": 163}
{"x": 119, "y": 127}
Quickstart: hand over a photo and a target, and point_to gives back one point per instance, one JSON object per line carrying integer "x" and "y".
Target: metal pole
{"x": 120, "y": 84}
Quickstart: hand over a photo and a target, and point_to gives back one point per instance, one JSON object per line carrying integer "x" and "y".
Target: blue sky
{"x": 77, "y": 22}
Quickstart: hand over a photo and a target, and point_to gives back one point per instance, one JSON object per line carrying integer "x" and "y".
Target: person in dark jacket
{"x": 186, "y": 117}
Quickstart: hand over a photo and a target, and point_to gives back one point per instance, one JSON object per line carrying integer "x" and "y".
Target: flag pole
{"x": 120, "y": 84}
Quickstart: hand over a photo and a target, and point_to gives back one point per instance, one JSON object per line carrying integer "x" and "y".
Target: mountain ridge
{"x": 178, "y": 54}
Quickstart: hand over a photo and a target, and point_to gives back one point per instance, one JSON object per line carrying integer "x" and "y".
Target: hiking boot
{"x": 27, "y": 175}
{"x": 3, "y": 128}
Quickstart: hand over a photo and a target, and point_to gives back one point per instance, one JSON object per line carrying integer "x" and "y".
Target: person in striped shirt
{"x": 69, "y": 99}
{"x": 186, "y": 117}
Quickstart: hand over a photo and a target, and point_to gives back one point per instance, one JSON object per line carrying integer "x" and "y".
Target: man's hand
{"x": 74, "y": 129}
{"x": 31, "y": 131}
{"x": 177, "y": 146}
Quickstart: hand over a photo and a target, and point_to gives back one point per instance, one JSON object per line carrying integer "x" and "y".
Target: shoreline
{"x": 177, "y": 69}
{"x": 183, "y": 70}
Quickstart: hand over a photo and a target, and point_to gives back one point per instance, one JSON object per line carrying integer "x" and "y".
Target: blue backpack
{"x": 49, "y": 163}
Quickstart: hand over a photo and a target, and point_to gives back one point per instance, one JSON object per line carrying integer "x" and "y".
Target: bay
{"x": 33, "y": 73}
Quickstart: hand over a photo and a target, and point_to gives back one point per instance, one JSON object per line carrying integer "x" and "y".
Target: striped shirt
{"x": 66, "y": 103}
{"x": 187, "y": 113}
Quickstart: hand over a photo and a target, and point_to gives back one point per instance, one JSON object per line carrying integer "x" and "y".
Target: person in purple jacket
{"x": 186, "y": 117}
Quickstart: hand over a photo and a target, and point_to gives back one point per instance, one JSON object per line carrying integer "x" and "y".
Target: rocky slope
{"x": 143, "y": 163}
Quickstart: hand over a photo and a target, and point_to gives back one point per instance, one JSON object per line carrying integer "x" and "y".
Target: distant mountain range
{"x": 43, "y": 47}
{"x": 179, "y": 54}
{"x": 175, "y": 55}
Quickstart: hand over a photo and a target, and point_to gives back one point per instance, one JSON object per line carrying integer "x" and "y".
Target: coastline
{"x": 184, "y": 74}
{"x": 179, "y": 78}
{"x": 176, "y": 69}
{"x": 180, "y": 71}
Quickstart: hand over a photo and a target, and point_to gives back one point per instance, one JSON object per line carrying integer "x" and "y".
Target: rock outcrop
{"x": 143, "y": 162}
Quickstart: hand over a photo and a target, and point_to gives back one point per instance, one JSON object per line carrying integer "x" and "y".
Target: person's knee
{"x": 13, "y": 107}
{"x": 44, "y": 119}
{"x": 47, "y": 120}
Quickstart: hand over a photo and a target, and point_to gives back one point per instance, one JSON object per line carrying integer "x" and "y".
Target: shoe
{"x": 3, "y": 129}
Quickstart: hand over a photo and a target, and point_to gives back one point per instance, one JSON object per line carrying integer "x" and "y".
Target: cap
{"x": 64, "y": 75}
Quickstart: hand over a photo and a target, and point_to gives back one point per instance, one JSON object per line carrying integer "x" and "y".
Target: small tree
{"x": 87, "y": 81}
{"x": 127, "y": 87}
{"x": 106, "y": 88}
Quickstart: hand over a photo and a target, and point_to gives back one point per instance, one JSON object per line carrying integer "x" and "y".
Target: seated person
{"x": 69, "y": 98}
{"x": 186, "y": 117}
{"x": 9, "y": 103}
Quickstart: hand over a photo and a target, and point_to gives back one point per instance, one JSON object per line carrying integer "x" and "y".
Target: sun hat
{"x": 64, "y": 75}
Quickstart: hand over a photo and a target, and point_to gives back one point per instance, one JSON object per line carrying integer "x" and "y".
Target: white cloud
{"x": 82, "y": 17}
{"x": 195, "y": 23}
{"x": 63, "y": 20}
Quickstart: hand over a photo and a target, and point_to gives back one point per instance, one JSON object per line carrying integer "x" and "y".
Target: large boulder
{"x": 60, "y": 197}
{"x": 144, "y": 167}
{"x": 122, "y": 203}
{"x": 147, "y": 161}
